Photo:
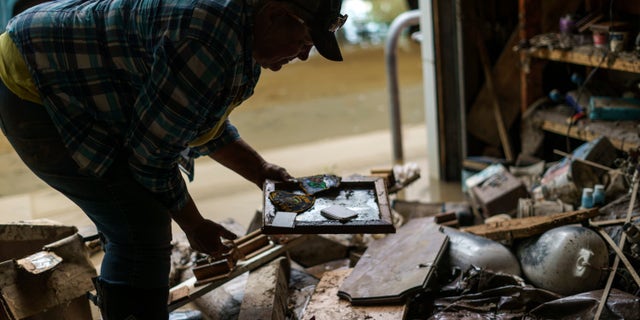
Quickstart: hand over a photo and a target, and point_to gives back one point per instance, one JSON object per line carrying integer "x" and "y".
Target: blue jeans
{"x": 135, "y": 227}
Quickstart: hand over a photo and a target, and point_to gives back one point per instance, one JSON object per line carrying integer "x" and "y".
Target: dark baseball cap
{"x": 324, "y": 19}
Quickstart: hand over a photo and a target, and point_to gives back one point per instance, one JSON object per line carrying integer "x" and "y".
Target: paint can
{"x": 617, "y": 40}
{"x": 599, "y": 39}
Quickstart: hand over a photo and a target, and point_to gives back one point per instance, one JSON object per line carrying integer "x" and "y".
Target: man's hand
{"x": 203, "y": 234}
{"x": 206, "y": 238}
{"x": 273, "y": 172}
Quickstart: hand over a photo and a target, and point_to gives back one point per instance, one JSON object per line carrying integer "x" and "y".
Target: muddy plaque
{"x": 366, "y": 197}
{"x": 396, "y": 266}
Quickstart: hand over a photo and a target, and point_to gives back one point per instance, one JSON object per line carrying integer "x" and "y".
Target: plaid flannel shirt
{"x": 141, "y": 78}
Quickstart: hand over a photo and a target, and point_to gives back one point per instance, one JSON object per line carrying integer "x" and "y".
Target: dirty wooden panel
{"x": 529, "y": 226}
{"x": 29, "y": 295}
{"x": 397, "y": 265}
{"x": 265, "y": 295}
{"x": 326, "y": 305}
{"x": 18, "y": 240}
{"x": 507, "y": 89}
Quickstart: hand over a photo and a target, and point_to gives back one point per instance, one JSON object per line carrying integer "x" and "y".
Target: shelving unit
{"x": 592, "y": 57}
{"x": 623, "y": 134}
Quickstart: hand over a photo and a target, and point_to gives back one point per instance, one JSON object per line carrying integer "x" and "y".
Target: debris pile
{"x": 549, "y": 240}
{"x": 529, "y": 243}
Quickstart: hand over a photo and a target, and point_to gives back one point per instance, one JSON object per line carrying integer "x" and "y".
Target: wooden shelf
{"x": 591, "y": 56}
{"x": 622, "y": 134}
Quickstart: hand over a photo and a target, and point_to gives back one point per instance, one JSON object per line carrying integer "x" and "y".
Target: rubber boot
{"x": 121, "y": 302}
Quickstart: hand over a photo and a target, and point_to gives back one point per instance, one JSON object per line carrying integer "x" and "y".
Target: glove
{"x": 206, "y": 238}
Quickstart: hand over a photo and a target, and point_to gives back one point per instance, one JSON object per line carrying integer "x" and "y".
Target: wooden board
{"x": 325, "y": 303}
{"x": 21, "y": 239}
{"x": 396, "y": 266}
{"x": 507, "y": 87}
{"x": 592, "y": 57}
{"x": 367, "y": 196}
{"x": 25, "y": 295}
{"x": 622, "y": 134}
{"x": 530, "y": 226}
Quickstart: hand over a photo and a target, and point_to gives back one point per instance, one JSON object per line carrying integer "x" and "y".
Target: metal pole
{"x": 402, "y": 21}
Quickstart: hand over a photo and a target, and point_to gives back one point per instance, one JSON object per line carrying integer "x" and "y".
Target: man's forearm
{"x": 188, "y": 218}
{"x": 242, "y": 159}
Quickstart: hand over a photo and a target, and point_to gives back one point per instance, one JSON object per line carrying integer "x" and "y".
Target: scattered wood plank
{"x": 325, "y": 303}
{"x": 529, "y": 226}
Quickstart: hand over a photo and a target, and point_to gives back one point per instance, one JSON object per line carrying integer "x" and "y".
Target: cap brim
{"x": 326, "y": 44}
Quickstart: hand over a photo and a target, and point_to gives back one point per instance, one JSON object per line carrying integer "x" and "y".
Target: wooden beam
{"x": 529, "y": 226}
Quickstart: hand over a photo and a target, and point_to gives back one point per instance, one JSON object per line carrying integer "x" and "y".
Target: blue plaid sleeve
{"x": 175, "y": 101}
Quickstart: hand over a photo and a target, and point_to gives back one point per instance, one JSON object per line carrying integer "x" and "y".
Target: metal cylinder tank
{"x": 467, "y": 249}
{"x": 566, "y": 260}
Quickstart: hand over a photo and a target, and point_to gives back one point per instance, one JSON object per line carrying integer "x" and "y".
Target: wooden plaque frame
{"x": 312, "y": 222}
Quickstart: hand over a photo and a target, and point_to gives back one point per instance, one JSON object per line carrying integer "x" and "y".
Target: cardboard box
{"x": 499, "y": 193}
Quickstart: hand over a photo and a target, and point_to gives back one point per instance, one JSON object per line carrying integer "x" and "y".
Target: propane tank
{"x": 467, "y": 249}
{"x": 566, "y": 260}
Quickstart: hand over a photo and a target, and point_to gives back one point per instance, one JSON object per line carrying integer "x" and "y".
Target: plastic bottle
{"x": 598, "y": 195}
{"x": 587, "y": 198}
